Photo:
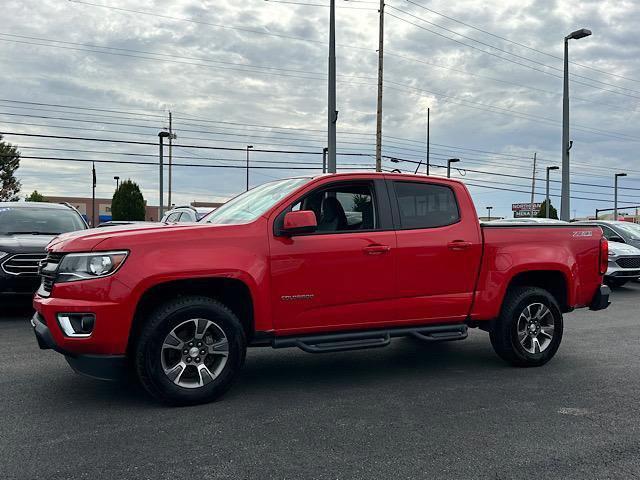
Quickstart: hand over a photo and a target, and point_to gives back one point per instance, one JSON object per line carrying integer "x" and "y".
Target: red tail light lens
{"x": 604, "y": 255}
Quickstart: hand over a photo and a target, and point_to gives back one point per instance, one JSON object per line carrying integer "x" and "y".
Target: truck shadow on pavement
{"x": 288, "y": 372}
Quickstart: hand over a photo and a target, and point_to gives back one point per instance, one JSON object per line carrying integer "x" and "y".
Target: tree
{"x": 553, "y": 213}
{"x": 9, "y": 163}
{"x": 128, "y": 202}
{"x": 35, "y": 197}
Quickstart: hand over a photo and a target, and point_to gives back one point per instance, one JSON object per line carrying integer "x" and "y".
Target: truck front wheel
{"x": 190, "y": 351}
{"x": 528, "y": 331}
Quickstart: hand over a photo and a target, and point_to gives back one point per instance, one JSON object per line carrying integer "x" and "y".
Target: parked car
{"x": 283, "y": 266}
{"x": 25, "y": 230}
{"x": 624, "y": 264}
{"x": 186, "y": 214}
{"x": 616, "y": 231}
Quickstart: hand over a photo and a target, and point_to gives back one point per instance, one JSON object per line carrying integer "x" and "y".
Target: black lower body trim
{"x": 101, "y": 367}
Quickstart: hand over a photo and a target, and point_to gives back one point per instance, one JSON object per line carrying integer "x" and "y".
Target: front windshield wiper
{"x": 32, "y": 233}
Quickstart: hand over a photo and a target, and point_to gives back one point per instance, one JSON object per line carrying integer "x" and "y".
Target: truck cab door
{"x": 439, "y": 250}
{"x": 342, "y": 275}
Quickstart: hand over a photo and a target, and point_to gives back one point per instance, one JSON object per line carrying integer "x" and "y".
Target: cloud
{"x": 224, "y": 82}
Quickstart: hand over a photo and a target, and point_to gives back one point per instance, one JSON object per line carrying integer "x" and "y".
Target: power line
{"x": 216, "y": 25}
{"x": 557, "y": 57}
{"x": 515, "y": 55}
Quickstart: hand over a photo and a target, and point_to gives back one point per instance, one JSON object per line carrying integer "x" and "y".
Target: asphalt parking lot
{"x": 408, "y": 411}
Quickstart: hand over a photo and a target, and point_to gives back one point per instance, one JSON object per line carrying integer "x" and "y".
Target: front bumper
{"x": 614, "y": 270}
{"x": 600, "y": 300}
{"x": 101, "y": 367}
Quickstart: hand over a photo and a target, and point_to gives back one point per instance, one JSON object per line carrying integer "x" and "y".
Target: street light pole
{"x": 117, "y": 179}
{"x": 547, "y": 196}
{"x": 248, "y": 147}
{"x": 380, "y": 82}
{"x": 565, "y": 205}
{"x": 161, "y": 136}
{"x": 489, "y": 213}
{"x": 449, "y": 162}
{"x": 332, "y": 112}
{"x": 615, "y": 194}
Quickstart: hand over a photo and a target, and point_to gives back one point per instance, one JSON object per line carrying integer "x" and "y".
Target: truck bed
{"x": 511, "y": 251}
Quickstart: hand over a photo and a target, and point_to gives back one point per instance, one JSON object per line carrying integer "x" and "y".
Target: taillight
{"x": 604, "y": 255}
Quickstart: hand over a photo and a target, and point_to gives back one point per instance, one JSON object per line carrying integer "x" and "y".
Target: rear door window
{"x": 424, "y": 205}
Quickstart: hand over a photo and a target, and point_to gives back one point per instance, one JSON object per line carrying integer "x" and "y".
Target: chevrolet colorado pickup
{"x": 326, "y": 264}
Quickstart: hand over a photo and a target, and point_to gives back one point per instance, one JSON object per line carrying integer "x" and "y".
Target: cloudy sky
{"x": 253, "y": 72}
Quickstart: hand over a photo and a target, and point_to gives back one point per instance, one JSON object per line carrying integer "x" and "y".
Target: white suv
{"x": 186, "y": 214}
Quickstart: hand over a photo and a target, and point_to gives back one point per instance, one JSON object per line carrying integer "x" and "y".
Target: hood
{"x": 619, "y": 249}
{"x": 24, "y": 243}
{"x": 88, "y": 240}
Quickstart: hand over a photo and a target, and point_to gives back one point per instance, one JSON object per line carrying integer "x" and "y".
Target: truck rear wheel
{"x": 528, "y": 331}
{"x": 190, "y": 351}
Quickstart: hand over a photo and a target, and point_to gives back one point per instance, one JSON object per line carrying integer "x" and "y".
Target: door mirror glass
{"x": 303, "y": 221}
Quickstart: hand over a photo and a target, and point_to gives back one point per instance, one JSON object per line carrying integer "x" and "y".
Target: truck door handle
{"x": 459, "y": 245}
{"x": 376, "y": 249}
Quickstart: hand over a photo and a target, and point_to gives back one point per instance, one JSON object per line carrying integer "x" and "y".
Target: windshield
{"x": 250, "y": 205}
{"x": 34, "y": 220}
{"x": 630, "y": 229}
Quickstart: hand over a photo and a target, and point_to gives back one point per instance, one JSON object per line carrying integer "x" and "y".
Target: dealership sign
{"x": 524, "y": 209}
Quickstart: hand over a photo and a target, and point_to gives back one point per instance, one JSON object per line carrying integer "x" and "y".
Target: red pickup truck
{"x": 329, "y": 263}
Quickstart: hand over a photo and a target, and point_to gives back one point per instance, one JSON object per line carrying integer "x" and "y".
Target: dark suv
{"x": 26, "y": 228}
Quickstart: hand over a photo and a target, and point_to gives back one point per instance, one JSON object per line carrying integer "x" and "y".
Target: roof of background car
{"x": 34, "y": 204}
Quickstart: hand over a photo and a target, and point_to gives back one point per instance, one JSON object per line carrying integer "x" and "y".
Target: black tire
{"x": 504, "y": 332}
{"x": 616, "y": 282}
{"x": 149, "y": 350}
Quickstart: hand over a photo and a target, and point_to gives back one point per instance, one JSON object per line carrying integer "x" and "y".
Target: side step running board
{"x": 339, "y": 342}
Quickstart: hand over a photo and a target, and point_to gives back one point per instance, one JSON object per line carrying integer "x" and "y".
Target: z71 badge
{"x": 583, "y": 233}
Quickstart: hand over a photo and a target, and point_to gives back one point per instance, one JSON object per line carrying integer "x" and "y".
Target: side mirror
{"x": 303, "y": 221}
{"x": 616, "y": 239}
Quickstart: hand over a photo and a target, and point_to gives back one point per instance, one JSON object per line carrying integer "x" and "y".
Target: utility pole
{"x": 93, "y": 195}
{"x": 428, "y": 139}
{"x": 420, "y": 162}
{"x": 332, "y": 112}
{"x": 489, "y": 213}
{"x": 170, "y": 158}
{"x": 161, "y": 136}
{"x": 248, "y": 148}
{"x": 380, "y": 80}
{"x": 533, "y": 182}
{"x": 547, "y": 197}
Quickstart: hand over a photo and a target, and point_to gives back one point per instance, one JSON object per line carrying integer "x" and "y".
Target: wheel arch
{"x": 553, "y": 281}
{"x": 232, "y": 292}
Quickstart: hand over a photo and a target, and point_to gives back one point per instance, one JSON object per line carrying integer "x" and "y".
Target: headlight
{"x": 3, "y": 254}
{"x": 84, "y": 266}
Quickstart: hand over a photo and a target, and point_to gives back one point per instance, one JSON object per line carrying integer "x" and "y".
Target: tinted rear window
{"x": 15, "y": 220}
{"x": 424, "y": 205}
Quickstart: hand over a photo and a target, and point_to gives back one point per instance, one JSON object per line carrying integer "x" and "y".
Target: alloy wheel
{"x": 535, "y": 328}
{"x": 194, "y": 353}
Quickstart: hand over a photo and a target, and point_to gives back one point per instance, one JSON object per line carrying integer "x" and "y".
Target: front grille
{"x": 629, "y": 262}
{"x": 23, "y": 264}
{"x": 48, "y": 271}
